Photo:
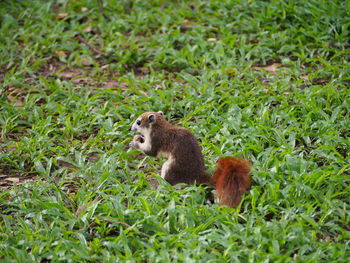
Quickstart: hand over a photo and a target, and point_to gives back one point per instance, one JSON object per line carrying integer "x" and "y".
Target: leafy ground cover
{"x": 267, "y": 80}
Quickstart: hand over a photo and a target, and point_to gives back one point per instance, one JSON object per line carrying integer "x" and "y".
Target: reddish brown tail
{"x": 231, "y": 179}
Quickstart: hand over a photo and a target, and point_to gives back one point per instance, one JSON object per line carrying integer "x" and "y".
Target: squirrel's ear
{"x": 161, "y": 113}
{"x": 152, "y": 118}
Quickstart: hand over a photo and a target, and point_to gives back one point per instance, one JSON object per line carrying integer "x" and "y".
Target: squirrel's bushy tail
{"x": 232, "y": 179}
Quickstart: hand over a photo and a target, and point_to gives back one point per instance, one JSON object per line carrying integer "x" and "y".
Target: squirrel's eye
{"x": 138, "y": 122}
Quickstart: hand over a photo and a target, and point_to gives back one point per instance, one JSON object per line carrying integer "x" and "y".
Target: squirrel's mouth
{"x": 137, "y": 131}
{"x": 142, "y": 138}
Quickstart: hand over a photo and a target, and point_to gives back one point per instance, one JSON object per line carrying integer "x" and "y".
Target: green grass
{"x": 267, "y": 80}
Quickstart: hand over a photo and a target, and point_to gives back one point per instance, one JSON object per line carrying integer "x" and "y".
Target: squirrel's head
{"x": 145, "y": 121}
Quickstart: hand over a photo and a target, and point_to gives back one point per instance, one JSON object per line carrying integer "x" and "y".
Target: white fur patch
{"x": 163, "y": 154}
{"x": 146, "y": 146}
{"x": 134, "y": 126}
{"x": 166, "y": 166}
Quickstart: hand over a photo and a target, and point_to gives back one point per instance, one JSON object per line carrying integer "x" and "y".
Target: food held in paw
{"x": 138, "y": 138}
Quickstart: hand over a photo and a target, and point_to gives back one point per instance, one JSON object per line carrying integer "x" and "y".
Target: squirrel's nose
{"x": 133, "y": 127}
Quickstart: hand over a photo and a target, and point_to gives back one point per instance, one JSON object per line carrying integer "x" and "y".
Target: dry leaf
{"x": 62, "y": 15}
{"x": 85, "y": 61}
{"x": 12, "y": 179}
{"x": 123, "y": 85}
{"x": 19, "y": 103}
{"x": 88, "y": 29}
{"x": 84, "y": 207}
{"x": 116, "y": 73}
{"x": 94, "y": 157}
{"x": 8, "y": 149}
{"x": 271, "y": 68}
{"x": 15, "y": 100}
{"x": 144, "y": 70}
{"x": 305, "y": 77}
{"x": 10, "y": 98}
{"x": 295, "y": 256}
{"x": 10, "y": 65}
{"x": 231, "y": 71}
{"x": 81, "y": 209}
{"x": 212, "y": 40}
{"x": 68, "y": 74}
{"x": 61, "y": 53}
{"x": 144, "y": 93}
{"x": 66, "y": 164}
{"x": 111, "y": 84}
{"x": 84, "y": 80}
{"x": 187, "y": 26}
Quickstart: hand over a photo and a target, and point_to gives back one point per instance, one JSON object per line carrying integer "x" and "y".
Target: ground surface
{"x": 268, "y": 81}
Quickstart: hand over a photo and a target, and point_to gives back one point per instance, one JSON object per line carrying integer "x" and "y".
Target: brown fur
{"x": 186, "y": 163}
{"x": 181, "y": 144}
{"x": 231, "y": 179}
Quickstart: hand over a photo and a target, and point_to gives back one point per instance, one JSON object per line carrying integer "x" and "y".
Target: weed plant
{"x": 266, "y": 80}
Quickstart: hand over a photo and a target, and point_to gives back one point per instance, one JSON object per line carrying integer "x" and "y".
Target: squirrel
{"x": 185, "y": 163}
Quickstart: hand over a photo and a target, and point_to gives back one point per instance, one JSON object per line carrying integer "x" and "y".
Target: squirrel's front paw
{"x": 136, "y": 141}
